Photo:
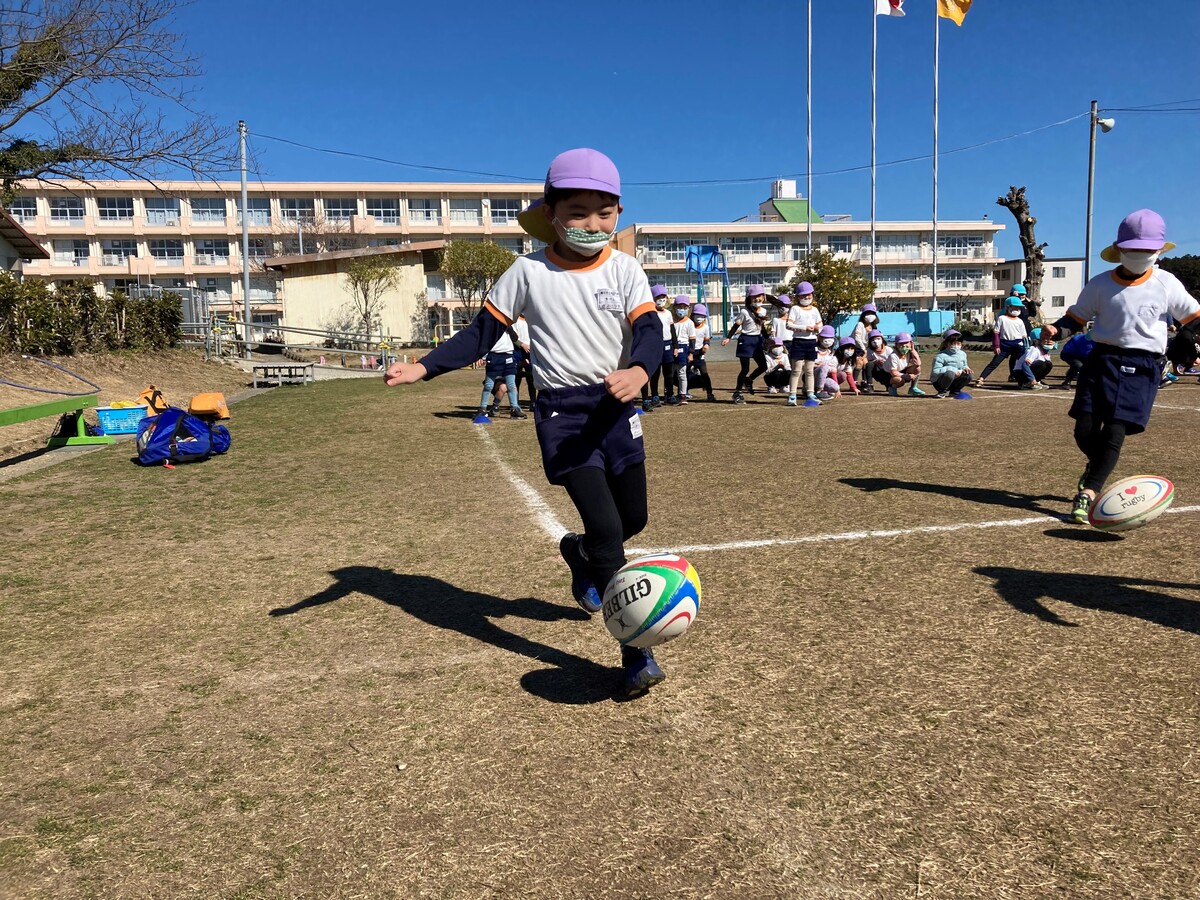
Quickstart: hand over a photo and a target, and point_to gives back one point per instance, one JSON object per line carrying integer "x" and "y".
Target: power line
{"x": 695, "y": 183}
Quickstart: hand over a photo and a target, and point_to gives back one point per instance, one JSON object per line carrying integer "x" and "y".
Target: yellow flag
{"x": 956, "y": 10}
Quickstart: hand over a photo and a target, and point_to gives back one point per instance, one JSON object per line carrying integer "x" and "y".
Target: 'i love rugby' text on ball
{"x": 1131, "y": 503}
{"x": 652, "y": 600}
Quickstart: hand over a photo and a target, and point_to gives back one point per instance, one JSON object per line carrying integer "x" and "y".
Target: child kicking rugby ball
{"x": 1131, "y": 307}
{"x": 594, "y": 341}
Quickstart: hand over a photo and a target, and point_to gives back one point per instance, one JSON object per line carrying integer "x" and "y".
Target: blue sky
{"x": 706, "y": 90}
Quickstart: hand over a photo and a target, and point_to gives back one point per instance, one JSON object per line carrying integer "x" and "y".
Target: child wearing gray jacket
{"x": 950, "y": 370}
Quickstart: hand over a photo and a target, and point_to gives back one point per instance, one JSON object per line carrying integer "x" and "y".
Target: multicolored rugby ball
{"x": 1131, "y": 503}
{"x": 652, "y": 600}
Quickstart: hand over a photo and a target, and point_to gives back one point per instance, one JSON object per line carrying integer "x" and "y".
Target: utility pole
{"x": 245, "y": 242}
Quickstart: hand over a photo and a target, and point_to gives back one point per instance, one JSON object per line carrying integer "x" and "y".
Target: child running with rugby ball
{"x": 1131, "y": 306}
{"x": 594, "y": 340}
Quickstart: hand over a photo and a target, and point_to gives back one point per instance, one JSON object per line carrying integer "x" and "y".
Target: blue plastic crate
{"x": 121, "y": 419}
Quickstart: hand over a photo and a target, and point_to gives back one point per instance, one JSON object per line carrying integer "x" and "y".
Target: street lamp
{"x": 1106, "y": 125}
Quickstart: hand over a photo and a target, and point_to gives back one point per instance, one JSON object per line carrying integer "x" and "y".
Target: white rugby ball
{"x": 652, "y": 600}
{"x": 1131, "y": 503}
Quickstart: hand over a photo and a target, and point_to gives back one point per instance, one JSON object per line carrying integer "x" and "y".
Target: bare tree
{"x": 368, "y": 279}
{"x": 472, "y": 268}
{"x": 1035, "y": 253}
{"x": 87, "y": 88}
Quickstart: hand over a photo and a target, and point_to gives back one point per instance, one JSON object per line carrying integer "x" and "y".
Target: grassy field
{"x": 341, "y": 662}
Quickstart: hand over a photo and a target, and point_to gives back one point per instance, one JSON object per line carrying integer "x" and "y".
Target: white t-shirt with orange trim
{"x": 579, "y": 314}
{"x": 1134, "y": 314}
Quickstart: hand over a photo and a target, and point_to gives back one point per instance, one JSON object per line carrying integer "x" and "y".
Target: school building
{"x": 186, "y": 236}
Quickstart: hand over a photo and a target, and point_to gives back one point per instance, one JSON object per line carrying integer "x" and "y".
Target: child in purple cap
{"x": 748, "y": 326}
{"x": 1131, "y": 308}
{"x": 594, "y": 340}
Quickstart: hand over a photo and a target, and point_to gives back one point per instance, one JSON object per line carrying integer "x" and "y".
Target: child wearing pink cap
{"x": 594, "y": 340}
{"x": 1131, "y": 308}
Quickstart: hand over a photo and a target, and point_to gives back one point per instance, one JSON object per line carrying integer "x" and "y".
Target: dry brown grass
{"x": 342, "y": 663}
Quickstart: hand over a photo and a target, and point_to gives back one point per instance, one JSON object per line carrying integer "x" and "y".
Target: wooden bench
{"x": 283, "y": 373}
{"x": 71, "y": 409}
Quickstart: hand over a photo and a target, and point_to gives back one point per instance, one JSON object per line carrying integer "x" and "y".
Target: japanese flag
{"x": 889, "y": 7}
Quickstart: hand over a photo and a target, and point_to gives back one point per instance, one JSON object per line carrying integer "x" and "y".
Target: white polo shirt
{"x": 579, "y": 314}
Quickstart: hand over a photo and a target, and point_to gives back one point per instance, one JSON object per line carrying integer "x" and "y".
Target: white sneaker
{"x": 772, "y": 390}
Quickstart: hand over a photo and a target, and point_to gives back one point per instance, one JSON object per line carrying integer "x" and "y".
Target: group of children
{"x": 599, "y": 334}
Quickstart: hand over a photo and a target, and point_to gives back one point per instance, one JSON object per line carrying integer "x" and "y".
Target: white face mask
{"x": 877, "y": 343}
{"x": 1138, "y": 261}
{"x": 826, "y": 342}
{"x": 777, "y": 351}
{"x": 1014, "y": 310}
{"x": 870, "y": 319}
{"x": 582, "y": 241}
{"x": 805, "y": 301}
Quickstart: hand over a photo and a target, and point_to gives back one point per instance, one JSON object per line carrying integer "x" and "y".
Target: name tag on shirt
{"x": 608, "y": 300}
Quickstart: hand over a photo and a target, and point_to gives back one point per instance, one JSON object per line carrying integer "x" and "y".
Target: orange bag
{"x": 153, "y": 400}
{"x": 209, "y": 406}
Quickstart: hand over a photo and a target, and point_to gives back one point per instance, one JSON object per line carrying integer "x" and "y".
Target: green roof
{"x": 795, "y": 211}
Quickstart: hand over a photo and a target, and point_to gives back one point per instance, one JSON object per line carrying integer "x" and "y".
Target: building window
{"x": 212, "y": 253}
{"x": 770, "y": 249}
{"x": 666, "y": 250}
{"x": 260, "y": 210}
{"x": 1005, "y": 274}
{"x": 262, "y": 291}
{"x": 115, "y": 209}
{"x": 465, "y": 212}
{"x": 894, "y": 279}
{"x": 162, "y": 210}
{"x": 340, "y": 209}
{"x": 511, "y": 244}
{"x": 740, "y": 279}
{"x": 435, "y": 286}
{"x": 384, "y": 211}
{"x": 208, "y": 209}
{"x": 963, "y": 246}
{"x": 23, "y": 209}
{"x": 963, "y": 279}
{"x": 72, "y": 253}
{"x": 384, "y": 242}
{"x": 897, "y": 246}
{"x": 117, "y": 253}
{"x": 296, "y": 209}
{"x": 66, "y": 209}
{"x": 167, "y": 251}
{"x": 424, "y": 212}
{"x": 1058, "y": 271}
{"x": 840, "y": 243}
{"x": 1058, "y": 302}
{"x": 258, "y": 249}
{"x": 504, "y": 212}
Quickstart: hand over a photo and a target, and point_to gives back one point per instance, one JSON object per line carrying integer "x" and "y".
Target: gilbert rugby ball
{"x": 1131, "y": 503}
{"x": 652, "y": 600}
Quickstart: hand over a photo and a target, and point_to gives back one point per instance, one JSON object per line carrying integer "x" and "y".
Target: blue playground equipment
{"x": 704, "y": 260}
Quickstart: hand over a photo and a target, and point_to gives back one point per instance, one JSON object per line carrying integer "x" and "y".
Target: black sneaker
{"x": 491, "y": 410}
{"x": 711, "y": 398}
{"x": 1079, "y": 511}
{"x": 646, "y": 407}
{"x": 738, "y": 398}
{"x": 515, "y": 412}
{"x": 671, "y": 401}
{"x": 582, "y": 589}
{"x": 642, "y": 672}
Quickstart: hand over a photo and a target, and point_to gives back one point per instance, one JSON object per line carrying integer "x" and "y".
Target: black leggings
{"x": 613, "y": 509}
{"x": 949, "y": 383}
{"x": 747, "y": 381}
{"x": 525, "y": 373}
{"x": 1101, "y": 443}
{"x": 669, "y": 372}
{"x": 698, "y": 375}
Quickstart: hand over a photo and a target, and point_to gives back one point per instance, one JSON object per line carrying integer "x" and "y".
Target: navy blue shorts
{"x": 748, "y": 345}
{"x": 500, "y": 365}
{"x": 584, "y": 427}
{"x": 668, "y": 354}
{"x": 803, "y": 349}
{"x": 1118, "y": 386}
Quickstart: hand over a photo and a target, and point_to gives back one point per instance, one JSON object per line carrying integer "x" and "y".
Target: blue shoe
{"x": 892, "y": 392}
{"x": 582, "y": 589}
{"x": 641, "y": 672}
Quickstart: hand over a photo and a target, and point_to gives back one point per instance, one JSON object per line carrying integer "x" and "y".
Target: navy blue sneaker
{"x": 582, "y": 589}
{"x": 642, "y": 672}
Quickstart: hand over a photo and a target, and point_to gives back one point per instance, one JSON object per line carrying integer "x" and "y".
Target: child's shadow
{"x": 1024, "y": 589}
{"x": 991, "y": 496}
{"x": 573, "y": 680}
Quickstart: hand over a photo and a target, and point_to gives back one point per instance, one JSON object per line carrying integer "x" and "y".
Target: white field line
{"x": 864, "y": 535}
{"x": 542, "y": 514}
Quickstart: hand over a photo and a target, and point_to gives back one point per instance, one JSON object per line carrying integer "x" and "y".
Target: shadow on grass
{"x": 572, "y": 680}
{"x": 1025, "y": 589}
{"x": 989, "y": 496}
{"x": 1082, "y": 535}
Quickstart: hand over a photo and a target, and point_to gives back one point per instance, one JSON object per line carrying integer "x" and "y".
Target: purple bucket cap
{"x": 803, "y": 289}
{"x": 682, "y": 300}
{"x": 777, "y": 342}
{"x": 846, "y": 342}
{"x": 903, "y": 337}
{"x": 870, "y": 307}
{"x": 952, "y": 332}
{"x": 1143, "y": 229}
{"x": 700, "y": 310}
{"x": 783, "y": 300}
{"x": 584, "y": 169}
{"x": 755, "y": 290}
{"x": 658, "y": 290}
{"x": 874, "y": 333}
{"x": 827, "y": 332}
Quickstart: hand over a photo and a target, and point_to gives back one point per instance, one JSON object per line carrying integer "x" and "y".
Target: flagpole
{"x": 808, "y": 188}
{"x": 936, "y": 53}
{"x": 874, "y": 47}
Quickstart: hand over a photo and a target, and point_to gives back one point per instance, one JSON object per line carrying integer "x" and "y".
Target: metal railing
{"x": 211, "y": 259}
{"x": 161, "y": 217}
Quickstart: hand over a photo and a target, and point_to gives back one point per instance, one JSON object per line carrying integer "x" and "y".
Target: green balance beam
{"x": 76, "y": 430}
